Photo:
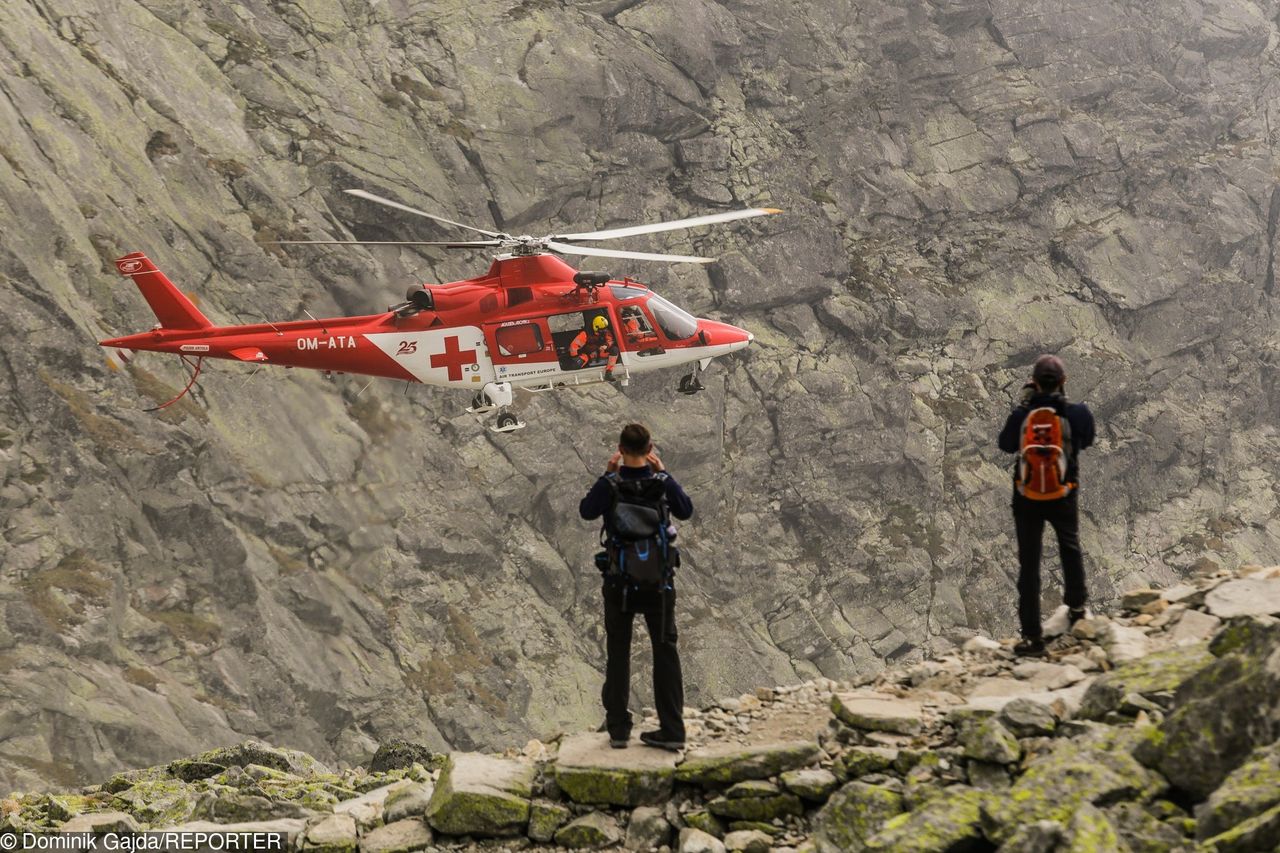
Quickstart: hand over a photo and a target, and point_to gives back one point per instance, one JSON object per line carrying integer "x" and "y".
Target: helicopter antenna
{"x": 314, "y": 320}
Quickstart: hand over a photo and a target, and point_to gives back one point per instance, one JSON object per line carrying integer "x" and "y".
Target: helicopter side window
{"x": 638, "y": 332}
{"x": 519, "y": 339}
{"x": 676, "y": 323}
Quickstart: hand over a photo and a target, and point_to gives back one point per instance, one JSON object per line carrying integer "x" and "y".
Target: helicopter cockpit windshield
{"x": 675, "y": 323}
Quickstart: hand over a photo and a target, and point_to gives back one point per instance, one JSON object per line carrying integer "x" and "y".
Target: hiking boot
{"x": 662, "y": 740}
{"x": 609, "y": 377}
{"x": 1030, "y": 647}
{"x": 1074, "y": 616}
{"x": 619, "y": 742}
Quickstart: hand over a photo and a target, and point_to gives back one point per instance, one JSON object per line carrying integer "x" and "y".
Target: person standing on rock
{"x": 635, "y": 496}
{"x": 1047, "y": 433}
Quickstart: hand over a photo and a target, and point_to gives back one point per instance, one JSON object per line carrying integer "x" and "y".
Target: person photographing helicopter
{"x": 594, "y": 342}
{"x": 637, "y": 497}
{"x": 1048, "y": 433}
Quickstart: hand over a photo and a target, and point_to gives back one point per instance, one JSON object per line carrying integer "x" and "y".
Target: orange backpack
{"x": 1041, "y": 474}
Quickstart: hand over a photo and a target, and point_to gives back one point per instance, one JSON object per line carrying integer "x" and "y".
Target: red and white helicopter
{"x": 531, "y": 322}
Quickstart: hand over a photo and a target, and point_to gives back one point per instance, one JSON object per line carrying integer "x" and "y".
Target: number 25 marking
{"x": 407, "y": 348}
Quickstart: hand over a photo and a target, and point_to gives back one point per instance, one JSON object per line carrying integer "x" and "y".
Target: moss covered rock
{"x": 1260, "y": 832}
{"x": 987, "y": 740}
{"x": 588, "y": 770}
{"x": 1162, "y": 672}
{"x": 401, "y": 755}
{"x": 1089, "y": 831}
{"x": 814, "y": 785}
{"x": 764, "y": 808}
{"x": 157, "y": 802}
{"x": 861, "y": 760}
{"x": 726, "y": 764}
{"x": 592, "y": 831}
{"x": 545, "y": 818}
{"x": 1095, "y": 768}
{"x": 333, "y": 833}
{"x": 853, "y": 814}
{"x": 704, "y": 820}
{"x": 481, "y": 795}
{"x": 949, "y": 821}
{"x": 1223, "y": 712}
{"x": 1250, "y": 790}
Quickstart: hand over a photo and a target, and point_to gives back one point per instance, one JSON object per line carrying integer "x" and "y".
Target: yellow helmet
{"x": 600, "y": 323}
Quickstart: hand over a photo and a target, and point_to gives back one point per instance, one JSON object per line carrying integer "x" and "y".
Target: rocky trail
{"x": 1156, "y": 728}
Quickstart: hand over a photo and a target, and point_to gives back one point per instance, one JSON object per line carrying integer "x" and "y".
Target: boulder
{"x": 256, "y": 752}
{"x": 1223, "y": 712}
{"x": 333, "y": 833}
{"x": 409, "y": 799}
{"x": 756, "y": 808}
{"x": 877, "y": 713}
{"x": 861, "y": 760}
{"x": 481, "y": 795}
{"x": 1089, "y": 831}
{"x": 647, "y": 829}
{"x": 401, "y": 836}
{"x": 592, "y": 831}
{"x": 1028, "y": 718}
{"x": 1123, "y": 642}
{"x": 163, "y": 802}
{"x": 987, "y": 740}
{"x": 853, "y": 814}
{"x": 749, "y": 841}
{"x": 696, "y": 841}
{"x": 1096, "y": 767}
{"x": 1250, "y": 790}
{"x": 814, "y": 785}
{"x": 401, "y": 755}
{"x": 951, "y": 820}
{"x": 99, "y": 822}
{"x": 1261, "y": 832}
{"x": 706, "y": 821}
{"x": 1244, "y": 597}
{"x": 368, "y": 808}
{"x": 725, "y": 764}
{"x": 987, "y": 777}
{"x": 1194, "y": 626}
{"x": 588, "y": 770}
{"x": 1039, "y": 837}
{"x": 1161, "y": 672}
{"x": 545, "y": 818}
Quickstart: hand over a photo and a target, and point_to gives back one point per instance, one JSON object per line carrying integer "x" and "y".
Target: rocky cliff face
{"x": 967, "y": 184}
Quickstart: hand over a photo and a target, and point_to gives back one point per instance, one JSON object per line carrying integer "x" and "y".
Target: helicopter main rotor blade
{"x": 472, "y": 244}
{"x": 368, "y": 196}
{"x": 594, "y": 251}
{"x": 675, "y": 225}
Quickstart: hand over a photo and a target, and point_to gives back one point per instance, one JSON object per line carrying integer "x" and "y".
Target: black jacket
{"x": 600, "y": 499}
{"x": 1077, "y": 415}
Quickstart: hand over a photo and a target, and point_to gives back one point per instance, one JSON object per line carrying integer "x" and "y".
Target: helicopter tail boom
{"x": 172, "y": 308}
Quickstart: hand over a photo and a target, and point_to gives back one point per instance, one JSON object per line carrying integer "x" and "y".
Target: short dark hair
{"x": 1049, "y": 372}
{"x": 635, "y": 439}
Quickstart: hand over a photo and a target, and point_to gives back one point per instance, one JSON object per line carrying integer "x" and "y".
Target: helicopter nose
{"x": 723, "y": 335}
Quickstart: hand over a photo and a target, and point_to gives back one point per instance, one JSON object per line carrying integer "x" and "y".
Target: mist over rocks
{"x": 966, "y": 185}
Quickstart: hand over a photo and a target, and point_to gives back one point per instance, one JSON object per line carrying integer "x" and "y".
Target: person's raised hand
{"x": 614, "y": 461}
{"x": 654, "y": 462}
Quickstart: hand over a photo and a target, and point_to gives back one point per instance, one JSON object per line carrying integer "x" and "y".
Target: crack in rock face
{"x": 966, "y": 185}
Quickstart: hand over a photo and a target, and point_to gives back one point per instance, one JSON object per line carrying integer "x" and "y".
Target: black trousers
{"x": 668, "y": 685}
{"x": 1029, "y": 518}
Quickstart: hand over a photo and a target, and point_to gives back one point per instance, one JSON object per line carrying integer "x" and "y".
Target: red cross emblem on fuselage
{"x": 453, "y": 358}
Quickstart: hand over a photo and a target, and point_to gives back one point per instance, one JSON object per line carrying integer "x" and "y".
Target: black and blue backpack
{"x": 637, "y": 537}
